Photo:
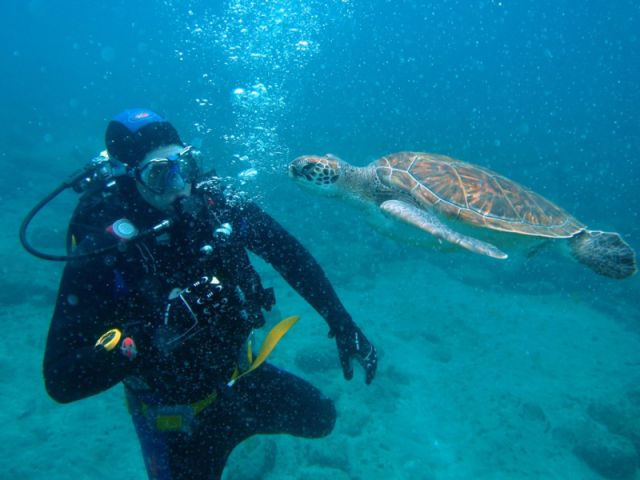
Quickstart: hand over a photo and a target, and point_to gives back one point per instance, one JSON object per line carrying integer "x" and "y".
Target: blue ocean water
{"x": 529, "y": 356}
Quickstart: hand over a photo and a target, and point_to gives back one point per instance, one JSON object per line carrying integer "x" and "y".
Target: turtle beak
{"x": 298, "y": 170}
{"x": 293, "y": 171}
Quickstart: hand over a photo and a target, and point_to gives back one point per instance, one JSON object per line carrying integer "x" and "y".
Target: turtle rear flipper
{"x": 605, "y": 253}
{"x": 428, "y": 222}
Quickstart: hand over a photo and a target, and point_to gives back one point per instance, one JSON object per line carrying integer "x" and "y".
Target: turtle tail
{"x": 606, "y": 253}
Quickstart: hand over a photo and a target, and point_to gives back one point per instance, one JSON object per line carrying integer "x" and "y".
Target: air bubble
{"x": 266, "y": 47}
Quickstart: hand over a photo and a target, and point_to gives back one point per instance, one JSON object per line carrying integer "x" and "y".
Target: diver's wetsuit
{"x": 128, "y": 288}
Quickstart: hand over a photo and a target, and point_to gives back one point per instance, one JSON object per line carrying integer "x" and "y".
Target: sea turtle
{"x": 446, "y": 197}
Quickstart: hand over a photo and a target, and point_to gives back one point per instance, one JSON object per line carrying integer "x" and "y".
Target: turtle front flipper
{"x": 430, "y": 223}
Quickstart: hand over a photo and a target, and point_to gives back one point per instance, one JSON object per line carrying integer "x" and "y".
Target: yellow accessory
{"x": 109, "y": 340}
{"x": 178, "y": 417}
{"x": 167, "y": 422}
{"x": 270, "y": 342}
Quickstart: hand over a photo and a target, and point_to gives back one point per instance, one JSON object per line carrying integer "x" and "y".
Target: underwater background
{"x": 527, "y": 368}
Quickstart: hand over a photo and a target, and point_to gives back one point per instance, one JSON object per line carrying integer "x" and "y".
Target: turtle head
{"x": 318, "y": 172}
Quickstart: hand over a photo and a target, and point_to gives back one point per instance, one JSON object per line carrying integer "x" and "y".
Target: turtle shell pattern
{"x": 474, "y": 195}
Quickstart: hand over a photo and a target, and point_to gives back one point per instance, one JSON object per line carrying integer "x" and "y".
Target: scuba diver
{"x": 159, "y": 293}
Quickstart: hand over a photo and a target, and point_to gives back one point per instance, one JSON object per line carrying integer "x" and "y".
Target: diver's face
{"x": 159, "y": 183}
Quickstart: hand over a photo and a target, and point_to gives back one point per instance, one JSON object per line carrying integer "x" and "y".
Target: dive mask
{"x": 168, "y": 174}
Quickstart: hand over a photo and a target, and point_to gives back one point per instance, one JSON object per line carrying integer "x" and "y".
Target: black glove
{"x": 351, "y": 344}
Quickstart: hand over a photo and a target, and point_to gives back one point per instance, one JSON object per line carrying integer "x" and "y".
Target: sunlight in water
{"x": 265, "y": 47}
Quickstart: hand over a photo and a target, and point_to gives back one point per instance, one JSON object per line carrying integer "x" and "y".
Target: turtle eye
{"x": 307, "y": 170}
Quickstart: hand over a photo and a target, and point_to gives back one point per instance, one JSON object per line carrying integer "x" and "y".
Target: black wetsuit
{"x": 129, "y": 287}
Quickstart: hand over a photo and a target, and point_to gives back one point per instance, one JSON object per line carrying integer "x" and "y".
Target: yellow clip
{"x": 109, "y": 340}
{"x": 166, "y": 423}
